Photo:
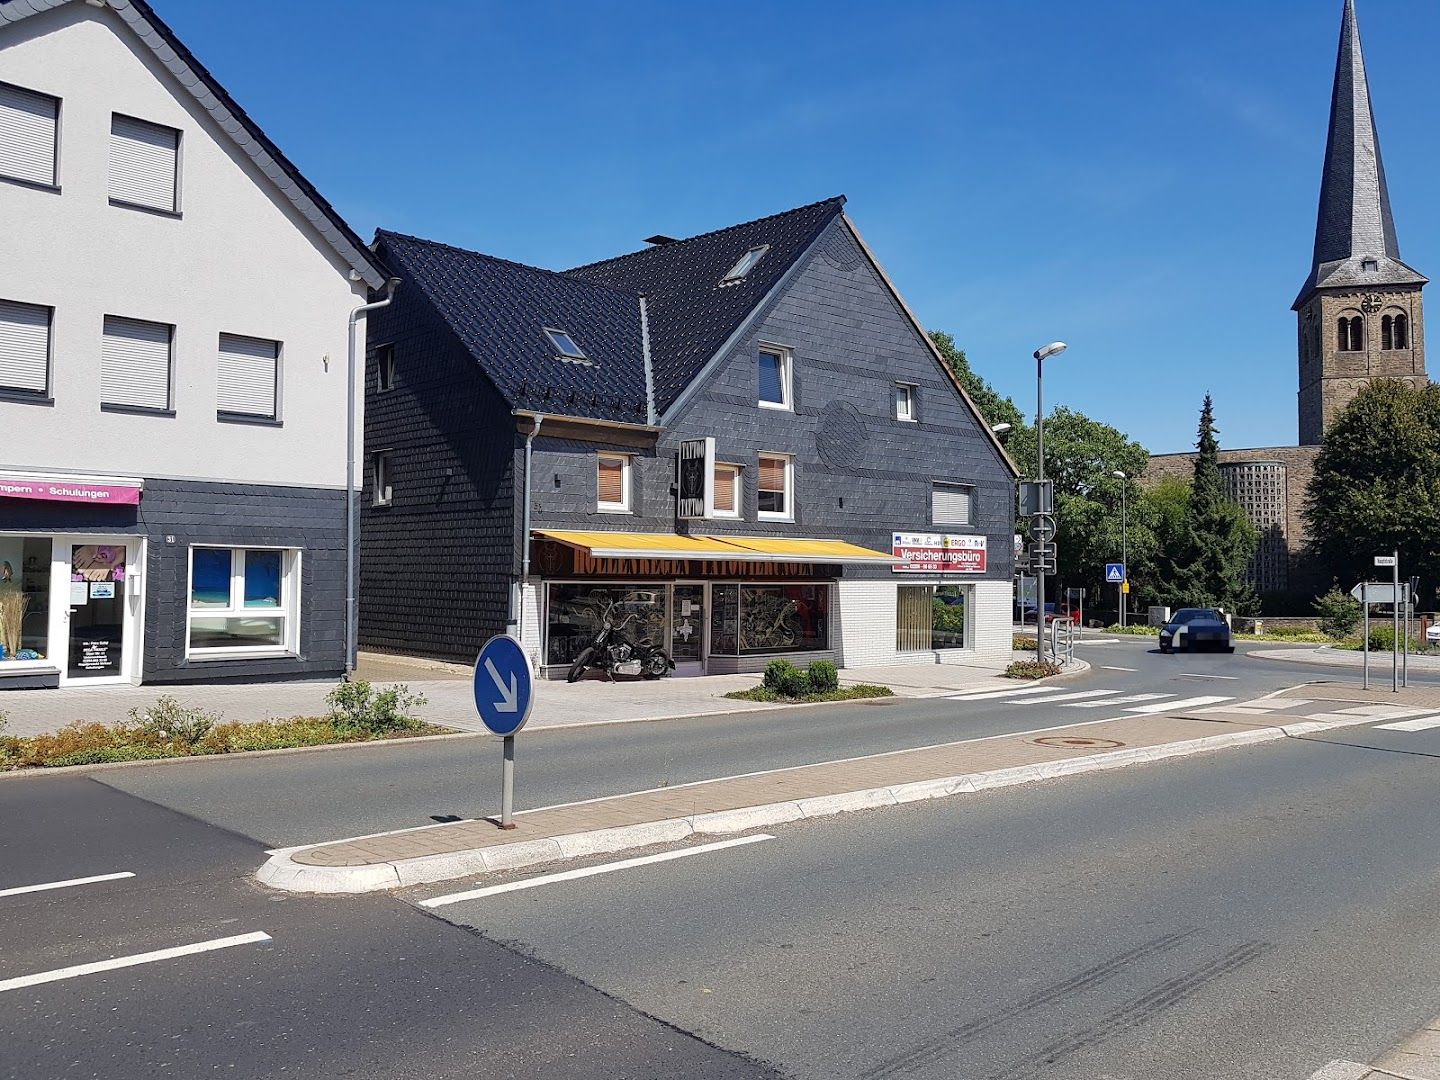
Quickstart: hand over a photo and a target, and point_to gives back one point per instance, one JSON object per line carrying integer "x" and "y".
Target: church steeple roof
{"x": 1355, "y": 244}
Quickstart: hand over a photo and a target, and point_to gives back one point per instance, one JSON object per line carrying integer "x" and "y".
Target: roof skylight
{"x": 564, "y": 345}
{"x": 745, "y": 265}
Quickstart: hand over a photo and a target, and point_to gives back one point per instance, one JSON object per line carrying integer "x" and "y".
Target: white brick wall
{"x": 863, "y": 626}
{"x": 530, "y": 628}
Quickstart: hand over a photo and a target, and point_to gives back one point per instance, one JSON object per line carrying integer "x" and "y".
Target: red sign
{"x": 57, "y": 489}
{"x": 939, "y": 553}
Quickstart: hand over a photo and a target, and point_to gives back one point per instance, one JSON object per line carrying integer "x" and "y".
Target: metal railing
{"x": 1062, "y": 640}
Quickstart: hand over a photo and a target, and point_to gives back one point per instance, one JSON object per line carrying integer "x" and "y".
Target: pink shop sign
{"x": 70, "y": 491}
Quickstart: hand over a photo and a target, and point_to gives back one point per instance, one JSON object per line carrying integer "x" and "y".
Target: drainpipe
{"x": 390, "y": 287}
{"x": 525, "y": 526}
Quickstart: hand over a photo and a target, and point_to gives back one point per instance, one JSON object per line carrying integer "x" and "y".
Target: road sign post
{"x": 504, "y": 694}
{"x": 1393, "y": 562}
{"x": 1116, "y": 574}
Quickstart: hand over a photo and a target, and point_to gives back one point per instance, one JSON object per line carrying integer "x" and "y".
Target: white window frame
{"x": 25, "y": 393}
{"x": 787, "y": 368}
{"x": 945, "y": 485}
{"x": 788, "y": 514}
{"x": 739, "y": 490}
{"x": 381, "y": 489}
{"x": 384, "y": 368}
{"x": 907, "y": 415}
{"x": 288, "y": 610}
{"x": 626, "y": 484}
{"x": 53, "y": 184}
{"x": 173, "y": 210}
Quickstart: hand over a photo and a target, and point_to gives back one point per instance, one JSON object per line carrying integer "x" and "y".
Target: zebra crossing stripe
{"x": 991, "y": 695}
{"x": 1185, "y": 703}
{"x": 1420, "y": 723}
{"x": 1129, "y": 699}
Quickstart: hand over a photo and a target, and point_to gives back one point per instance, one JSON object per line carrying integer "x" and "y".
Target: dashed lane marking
{"x": 130, "y": 961}
{"x": 1192, "y": 675}
{"x": 1107, "y": 667}
{"x": 1420, "y": 723}
{"x": 590, "y": 871}
{"x": 1183, "y": 703}
{"x": 47, "y": 886}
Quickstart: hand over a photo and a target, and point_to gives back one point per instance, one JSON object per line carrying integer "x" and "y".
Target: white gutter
{"x": 525, "y": 518}
{"x": 649, "y": 368}
{"x": 363, "y": 309}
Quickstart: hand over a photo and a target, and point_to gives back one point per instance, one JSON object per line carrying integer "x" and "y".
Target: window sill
{"x": 613, "y": 510}
{"x": 248, "y": 418}
{"x": 27, "y": 667}
{"x": 33, "y": 185}
{"x": 135, "y": 410}
{"x": 766, "y": 516}
{"x": 208, "y": 656}
{"x": 775, "y": 406}
{"x": 377, "y": 504}
{"x": 907, "y": 420}
{"x": 158, "y": 211}
{"x": 25, "y": 397}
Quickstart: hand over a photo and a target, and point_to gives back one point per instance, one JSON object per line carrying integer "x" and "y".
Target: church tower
{"x": 1359, "y": 312}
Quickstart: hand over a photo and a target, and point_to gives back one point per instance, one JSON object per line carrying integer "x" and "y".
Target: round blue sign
{"x": 504, "y": 689}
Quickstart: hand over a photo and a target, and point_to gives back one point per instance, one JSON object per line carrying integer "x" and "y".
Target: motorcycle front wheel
{"x": 577, "y": 669}
{"x": 656, "y": 665}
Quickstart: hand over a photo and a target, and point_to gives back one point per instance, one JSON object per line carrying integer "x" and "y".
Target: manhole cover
{"x": 1075, "y": 742}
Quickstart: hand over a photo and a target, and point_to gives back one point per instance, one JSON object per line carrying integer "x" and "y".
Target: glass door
{"x": 687, "y": 628}
{"x": 97, "y": 611}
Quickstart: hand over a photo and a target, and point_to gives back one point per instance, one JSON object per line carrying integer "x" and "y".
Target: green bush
{"x": 822, "y": 677}
{"x": 784, "y": 678}
{"x": 1382, "y": 639}
{"x": 357, "y": 706}
{"x": 1031, "y": 669}
{"x": 169, "y": 723}
{"x": 1339, "y": 613}
{"x": 1293, "y": 632}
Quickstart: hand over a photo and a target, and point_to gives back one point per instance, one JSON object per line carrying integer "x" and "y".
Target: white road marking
{"x": 130, "y": 961}
{"x": 1183, "y": 703}
{"x": 1078, "y": 695}
{"x": 1420, "y": 723}
{"x": 1107, "y": 667}
{"x": 1126, "y": 700}
{"x": 987, "y": 695}
{"x": 1260, "y": 706}
{"x": 1384, "y": 712}
{"x": 1229, "y": 678}
{"x": 590, "y": 871}
{"x": 65, "y": 884}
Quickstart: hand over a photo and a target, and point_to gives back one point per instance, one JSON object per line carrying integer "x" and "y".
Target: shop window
{"x": 144, "y": 164}
{"x": 242, "y": 600}
{"x": 573, "y": 614}
{"x": 29, "y": 121}
{"x": 612, "y": 483}
{"x": 929, "y": 617}
{"x": 904, "y": 402}
{"x": 248, "y": 377}
{"x": 24, "y": 599}
{"x": 750, "y": 619}
{"x": 25, "y": 348}
{"x": 774, "y": 486}
{"x": 950, "y": 504}
{"x": 727, "y": 491}
{"x": 774, "y": 379}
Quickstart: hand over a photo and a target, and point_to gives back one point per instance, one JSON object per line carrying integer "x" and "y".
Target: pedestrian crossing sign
{"x": 1115, "y": 573}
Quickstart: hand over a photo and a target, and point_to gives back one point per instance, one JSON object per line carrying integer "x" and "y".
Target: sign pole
{"x": 1365, "y": 641}
{"x": 1395, "y": 612}
{"x": 507, "y": 784}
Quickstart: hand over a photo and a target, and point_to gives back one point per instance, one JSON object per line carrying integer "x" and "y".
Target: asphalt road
{"x": 1250, "y": 914}
{"x": 312, "y": 797}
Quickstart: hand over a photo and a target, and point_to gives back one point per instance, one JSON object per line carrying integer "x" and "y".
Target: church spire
{"x": 1355, "y": 244}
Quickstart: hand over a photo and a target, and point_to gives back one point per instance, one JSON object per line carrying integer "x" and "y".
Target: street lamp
{"x": 1055, "y": 348}
{"x": 1000, "y": 429}
{"x": 1124, "y": 544}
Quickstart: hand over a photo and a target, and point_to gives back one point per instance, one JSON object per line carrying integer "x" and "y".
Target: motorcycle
{"x": 612, "y": 652}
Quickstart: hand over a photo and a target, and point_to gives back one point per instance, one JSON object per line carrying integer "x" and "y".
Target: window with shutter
{"x": 28, "y": 123}
{"x": 774, "y": 487}
{"x": 950, "y": 504}
{"x": 248, "y": 371}
{"x": 144, "y": 159}
{"x": 135, "y": 364}
{"x": 612, "y": 482}
{"x": 24, "y": 348}
{"x": 727, "y": 484}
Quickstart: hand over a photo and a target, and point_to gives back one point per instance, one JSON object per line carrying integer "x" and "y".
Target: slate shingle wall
{"x": 435, "y": 565}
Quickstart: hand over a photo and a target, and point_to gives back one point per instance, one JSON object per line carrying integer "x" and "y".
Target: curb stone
{"x": 282, "y": 872}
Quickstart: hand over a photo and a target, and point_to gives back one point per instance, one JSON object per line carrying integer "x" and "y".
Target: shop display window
{"x": 747, "y": 619}
{"x": 929, "y": 617}
{"x": 242, "y": 599}
{"x": 574, "y": 612}
{"x": 24, "y": 598}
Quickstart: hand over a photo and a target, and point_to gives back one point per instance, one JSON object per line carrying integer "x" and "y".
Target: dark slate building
{"x": 743, "y": 439}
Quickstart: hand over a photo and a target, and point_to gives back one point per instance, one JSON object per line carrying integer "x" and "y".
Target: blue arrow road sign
{"x": 504, "y": 690}
{"x": 1115, "y": 572}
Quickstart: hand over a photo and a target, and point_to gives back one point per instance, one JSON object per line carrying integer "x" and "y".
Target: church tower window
{"x": 1387, "y": 339}
{"x": 1402, "y": 332}
{"x": 1352, "y": 334}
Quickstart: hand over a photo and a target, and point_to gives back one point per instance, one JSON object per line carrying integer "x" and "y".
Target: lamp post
{"x": 1124, "y": 544}
{"x": 1055, "y": 348}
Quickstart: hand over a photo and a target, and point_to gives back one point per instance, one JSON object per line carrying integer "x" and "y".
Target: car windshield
{"x": 1186, "y": 615}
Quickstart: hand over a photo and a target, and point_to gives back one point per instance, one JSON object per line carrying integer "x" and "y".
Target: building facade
{"x": 173, "y": 334}
{"x": 741, "y": 443}
{"x": 1359, "y": 316}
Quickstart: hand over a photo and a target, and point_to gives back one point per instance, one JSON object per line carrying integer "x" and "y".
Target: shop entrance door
{"x": 98, "y": 612}
{"x": 687, "y": 629}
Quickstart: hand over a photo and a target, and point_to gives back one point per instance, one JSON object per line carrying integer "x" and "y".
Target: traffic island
{"x": 736, "y": 804}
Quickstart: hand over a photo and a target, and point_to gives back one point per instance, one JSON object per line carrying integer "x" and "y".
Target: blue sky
{"x": 1138, "y": 178}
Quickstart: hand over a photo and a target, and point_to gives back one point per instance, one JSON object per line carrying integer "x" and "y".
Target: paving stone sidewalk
{"x": 450, "y": 703}
{"x": 1417, "y": 1058}
{"x": 1325, "y": 654}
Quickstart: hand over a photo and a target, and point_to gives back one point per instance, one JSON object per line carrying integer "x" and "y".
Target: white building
{"x": 174, "y": 303}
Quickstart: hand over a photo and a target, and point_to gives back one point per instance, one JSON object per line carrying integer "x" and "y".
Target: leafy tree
{"x": 993, "y": 407}
{"x": 1376, "y": 486}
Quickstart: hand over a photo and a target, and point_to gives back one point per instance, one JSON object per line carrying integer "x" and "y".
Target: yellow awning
{"x": 626, "y": 545}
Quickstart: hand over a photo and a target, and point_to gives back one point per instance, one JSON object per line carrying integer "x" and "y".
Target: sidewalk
{"x": 1325, "y": 654}
{"x": 447, "y": 689}
{"x": 739, "y": 803}
{"x": 1417, "y": 1058}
